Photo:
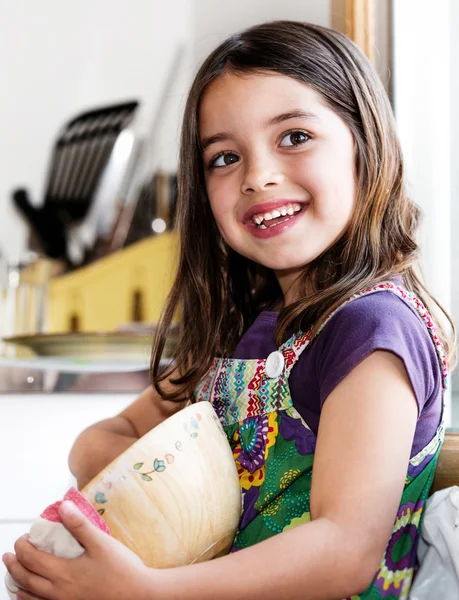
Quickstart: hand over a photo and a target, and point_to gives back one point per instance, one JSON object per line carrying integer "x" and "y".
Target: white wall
{"x": 214, "y": 21}
{"x": 454, "y": 74}
{"x": 423, "y": 114}
{"x": 422, "y": 83}
{"x": 59, "y": 58}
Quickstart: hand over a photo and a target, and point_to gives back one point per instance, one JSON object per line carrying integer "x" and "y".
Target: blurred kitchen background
{"x": 91, "y": 113}
{"x": 90, "y": 116}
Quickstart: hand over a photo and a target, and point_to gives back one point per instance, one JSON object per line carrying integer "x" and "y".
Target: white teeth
{"x": 289, "y": 209}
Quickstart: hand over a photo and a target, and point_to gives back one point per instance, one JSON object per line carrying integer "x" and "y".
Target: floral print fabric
{"x": 274, "y": 452}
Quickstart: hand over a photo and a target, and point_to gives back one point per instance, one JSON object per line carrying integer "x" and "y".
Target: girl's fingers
{"x": 28, "y": 580}
{"x": 87, "y": 534}
{"x": 23, "y": 595}
{"x": 37, "y": 561}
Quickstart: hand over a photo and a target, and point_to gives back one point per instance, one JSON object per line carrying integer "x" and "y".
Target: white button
{"x": 274, "y": 364}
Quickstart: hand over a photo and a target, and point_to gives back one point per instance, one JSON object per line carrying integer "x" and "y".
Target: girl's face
{"x": 279, "y": 169}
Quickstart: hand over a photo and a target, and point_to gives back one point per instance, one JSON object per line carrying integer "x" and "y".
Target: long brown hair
{"x": 217, "y": 292}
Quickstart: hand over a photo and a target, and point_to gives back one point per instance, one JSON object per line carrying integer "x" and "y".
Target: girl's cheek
{"x": 221, "y": 198}
{"x": 212, "y": 186}
{"x": 218, "y": 208}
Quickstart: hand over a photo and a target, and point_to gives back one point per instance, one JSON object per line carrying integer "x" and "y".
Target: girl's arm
{"x": 101, "y": 443}
{"x": 366, "y": 432}
{"x": 365, "y": 436}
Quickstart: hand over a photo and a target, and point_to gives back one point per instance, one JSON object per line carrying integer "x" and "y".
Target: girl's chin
{"x": 278, "y": 257}
{"x": 285, "y": 259}
{"x": 291, "y": 269}
{"x": 285, "y": 266}
{"x": 271, "y": 260}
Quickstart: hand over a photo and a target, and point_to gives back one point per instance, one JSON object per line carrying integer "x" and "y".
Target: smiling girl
{"x": 303, "y": 321}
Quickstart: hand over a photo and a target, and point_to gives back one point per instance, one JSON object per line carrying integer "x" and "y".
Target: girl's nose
{"x": 258, "y": 178}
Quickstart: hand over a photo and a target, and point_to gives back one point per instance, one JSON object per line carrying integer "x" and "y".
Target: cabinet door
{"x": 36, "y": 434}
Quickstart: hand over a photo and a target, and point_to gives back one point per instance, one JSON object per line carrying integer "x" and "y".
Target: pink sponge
{"x": 52, "y": 514}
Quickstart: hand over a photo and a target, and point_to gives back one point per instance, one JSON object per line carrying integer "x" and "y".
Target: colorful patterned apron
{"x": 274, "y": 451}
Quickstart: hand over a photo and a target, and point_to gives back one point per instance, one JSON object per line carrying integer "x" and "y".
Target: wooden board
{"x": 447, "y": 473}
{"x": 355, "y": 18}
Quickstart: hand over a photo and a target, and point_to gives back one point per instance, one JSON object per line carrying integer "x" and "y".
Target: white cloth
{"x": 48, "y": 534}
{"x": 51, "y": 537}
{"x": 438, "y": 549}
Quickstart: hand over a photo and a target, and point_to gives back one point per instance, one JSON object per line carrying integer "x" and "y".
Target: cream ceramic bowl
{"x": 174, "y": 496}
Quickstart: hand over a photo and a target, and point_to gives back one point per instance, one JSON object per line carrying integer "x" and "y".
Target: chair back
{"x": 447, "y": 472}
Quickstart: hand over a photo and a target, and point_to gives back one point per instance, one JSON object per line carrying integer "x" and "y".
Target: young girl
{"x": 303, "y": 322}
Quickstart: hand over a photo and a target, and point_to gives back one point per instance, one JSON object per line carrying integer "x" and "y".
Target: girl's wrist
{"x": 156, "y": 584}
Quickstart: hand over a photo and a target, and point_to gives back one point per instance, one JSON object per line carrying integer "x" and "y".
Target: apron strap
{"x": 293, "y": 347}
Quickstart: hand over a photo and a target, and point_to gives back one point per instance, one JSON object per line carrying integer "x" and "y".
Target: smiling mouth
{"x": 277, "y": 216}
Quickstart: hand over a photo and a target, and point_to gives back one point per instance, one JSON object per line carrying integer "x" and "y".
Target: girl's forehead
{"x": 250, "y": 98}
{"x": 250, "y": 86}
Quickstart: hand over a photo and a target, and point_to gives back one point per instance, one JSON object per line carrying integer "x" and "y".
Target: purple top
{"x": 378, "y": 321}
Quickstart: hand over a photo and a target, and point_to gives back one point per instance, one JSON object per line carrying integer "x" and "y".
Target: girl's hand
{"x": 107, "y": 569}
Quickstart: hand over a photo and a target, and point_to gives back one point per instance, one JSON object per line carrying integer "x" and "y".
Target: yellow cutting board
{"x": 127, "y": 286}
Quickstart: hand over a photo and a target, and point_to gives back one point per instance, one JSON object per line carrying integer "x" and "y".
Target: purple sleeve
{"x": 380, "y": 321}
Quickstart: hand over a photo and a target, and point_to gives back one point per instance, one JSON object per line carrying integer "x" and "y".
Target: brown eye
{"x": 294, "y": 138}
{"x": 224, "y": 160}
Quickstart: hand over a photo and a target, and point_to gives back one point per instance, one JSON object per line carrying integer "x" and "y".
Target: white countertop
{"x": 36, "y": 434}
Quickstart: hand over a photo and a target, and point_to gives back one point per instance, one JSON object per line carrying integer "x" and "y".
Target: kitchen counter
{"x": 36, "y": 434}
{"x": 37, "y": 431}
{"x": 15, "y": 380}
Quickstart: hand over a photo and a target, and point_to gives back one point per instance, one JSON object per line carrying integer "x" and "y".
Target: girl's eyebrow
{"x": 214, "y": 139}
{"x": 293, "y": 114}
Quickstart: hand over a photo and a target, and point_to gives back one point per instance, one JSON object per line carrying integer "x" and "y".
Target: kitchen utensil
{"x": 85, "y": 180}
